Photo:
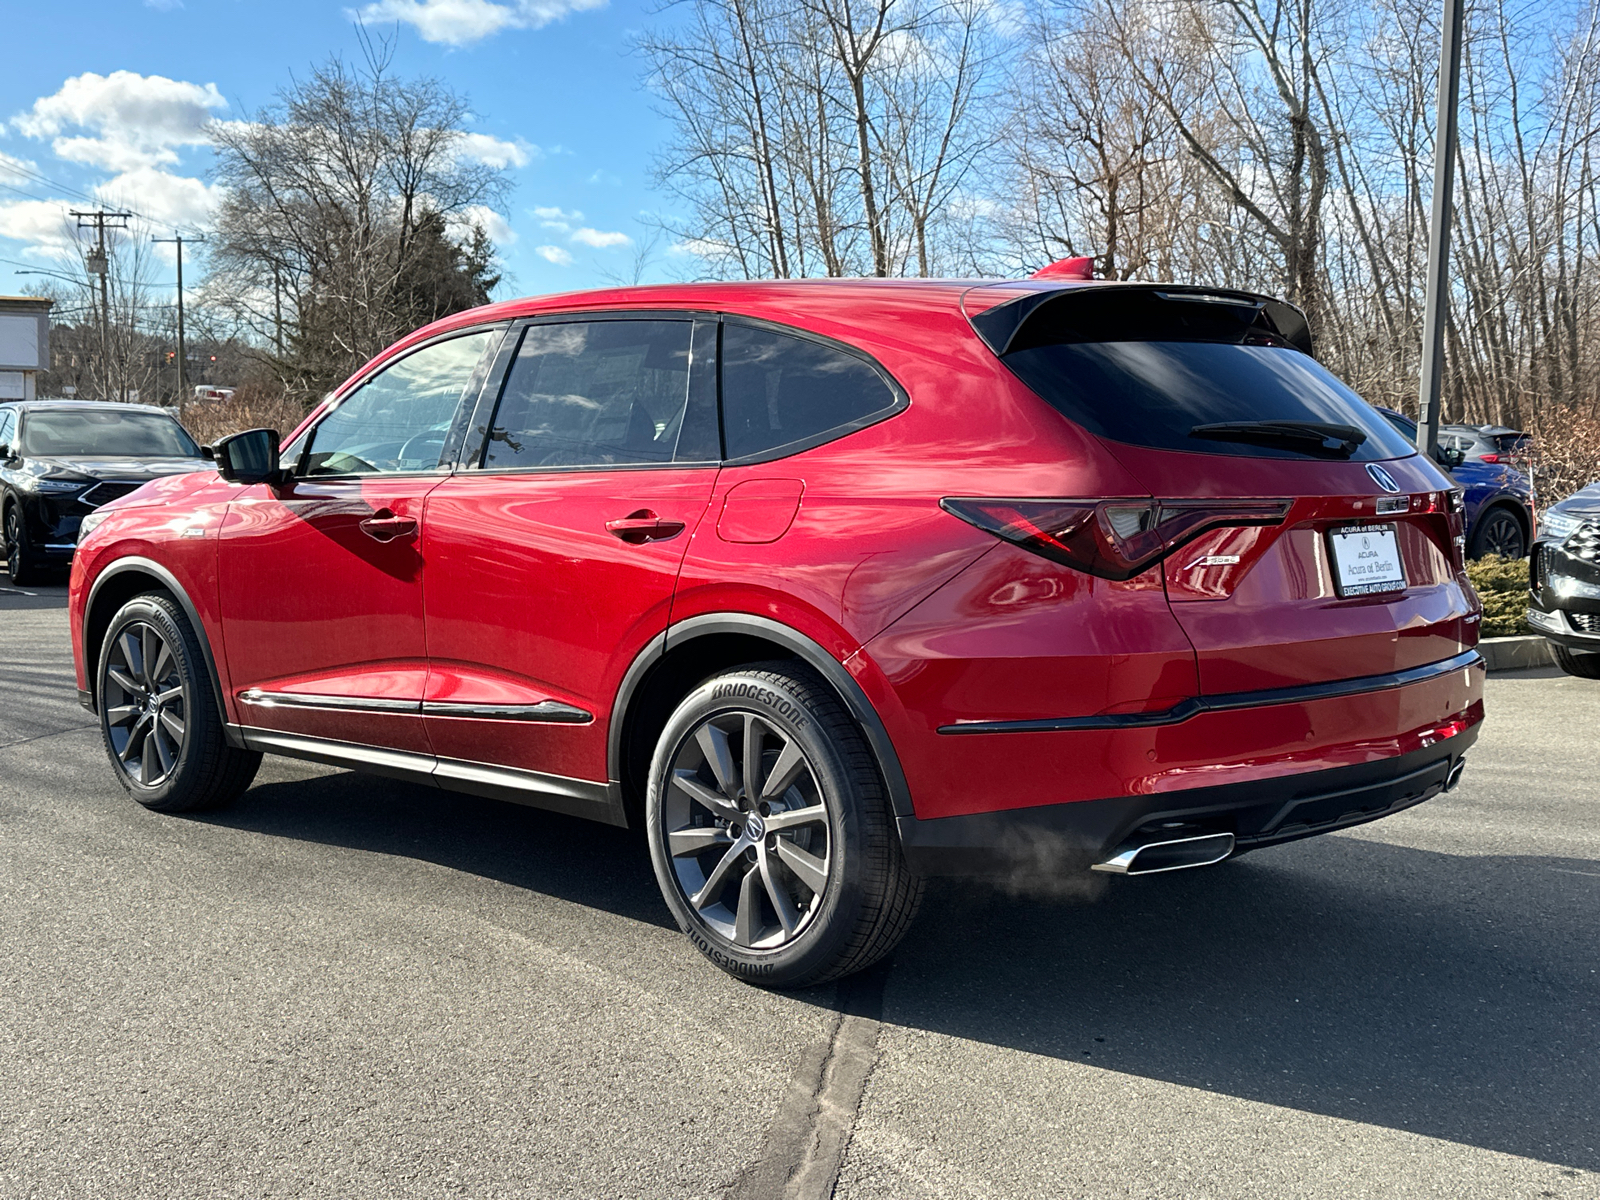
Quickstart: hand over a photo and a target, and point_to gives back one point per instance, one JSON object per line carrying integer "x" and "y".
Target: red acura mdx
{"x": 831, "y": 586}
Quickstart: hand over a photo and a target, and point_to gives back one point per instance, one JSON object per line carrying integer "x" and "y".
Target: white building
{"x": 24, "y": 344}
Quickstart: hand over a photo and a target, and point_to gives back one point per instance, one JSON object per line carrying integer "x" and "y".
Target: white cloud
{"x": 495, "y": 152}
{"x": 174, "y": 200}
{"x": 122, "y": 121}
{"x": 42, "y": 224}
{"x": 706, "y": 248}
{"x": 600, "y": 239}
{"x": 554, "y": 254}
{"x": 462, "y": 22}
{"x": 551, "y": 217}
{"x": 491, "y": 222}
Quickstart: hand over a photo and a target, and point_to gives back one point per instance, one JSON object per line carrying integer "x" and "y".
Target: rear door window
{"x": 781, "y": 393}
{"x": 598, "y": 393}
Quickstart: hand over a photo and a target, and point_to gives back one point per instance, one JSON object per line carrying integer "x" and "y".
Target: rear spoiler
{"x": 1057, "y": 314}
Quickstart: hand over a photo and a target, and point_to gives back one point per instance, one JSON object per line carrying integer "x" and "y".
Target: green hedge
{"x": 1502, "y": 585}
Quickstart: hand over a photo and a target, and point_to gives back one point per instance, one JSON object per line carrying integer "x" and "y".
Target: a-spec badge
{"x": 1382, "y": 478}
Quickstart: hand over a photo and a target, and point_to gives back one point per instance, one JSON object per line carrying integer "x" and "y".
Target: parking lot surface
{"x": 346, "y": 986}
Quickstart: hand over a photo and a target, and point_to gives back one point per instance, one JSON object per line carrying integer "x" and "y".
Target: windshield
{"x": 1154, "y": 393}
{"x": 77, "y": 433}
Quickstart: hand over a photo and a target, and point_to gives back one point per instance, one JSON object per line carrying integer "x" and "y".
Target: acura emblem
{"x": 1382, "y": 478}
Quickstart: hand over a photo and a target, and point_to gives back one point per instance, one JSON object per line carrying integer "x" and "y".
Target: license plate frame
{"x": 1389, "y": 567}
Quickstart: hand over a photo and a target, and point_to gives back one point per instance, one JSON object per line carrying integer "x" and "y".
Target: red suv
{"x": 831, "y": 586}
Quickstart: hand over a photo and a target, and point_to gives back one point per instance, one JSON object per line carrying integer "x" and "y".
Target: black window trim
{"x": 489, "y": 399}
{"x": 466, "y": 455}
{"x": 448, "y": 459}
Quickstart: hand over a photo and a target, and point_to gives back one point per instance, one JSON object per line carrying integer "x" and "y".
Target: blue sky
{"x": 103, "y": 99}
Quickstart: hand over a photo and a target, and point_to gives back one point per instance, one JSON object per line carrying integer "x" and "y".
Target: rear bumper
{"x": 1056, "y": 839}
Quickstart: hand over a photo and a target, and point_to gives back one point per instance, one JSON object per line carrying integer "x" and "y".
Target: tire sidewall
{"x": 778, "y": 701}
{"x": 18, "y": 564}
{"x": 1479, "y": 535}
{"x": 182, "y": 779}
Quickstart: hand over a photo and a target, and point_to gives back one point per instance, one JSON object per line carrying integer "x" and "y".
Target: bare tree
{"x": 337, "y": 231}
{"x": 823, "y": 137}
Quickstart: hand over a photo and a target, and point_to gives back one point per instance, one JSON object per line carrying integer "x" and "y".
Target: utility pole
{"x": 98, "y": 264}
{"x": 1436, "y": 305}
{"x": 178, "y": 240}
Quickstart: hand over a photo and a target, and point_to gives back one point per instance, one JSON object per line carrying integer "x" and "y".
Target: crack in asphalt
{"x": 806, "y": 1143}
{"x": 39, "y": 737}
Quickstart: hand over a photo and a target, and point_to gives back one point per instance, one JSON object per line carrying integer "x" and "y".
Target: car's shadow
{"x": 572, "y": 859}
{"x": 1455, "y": 997}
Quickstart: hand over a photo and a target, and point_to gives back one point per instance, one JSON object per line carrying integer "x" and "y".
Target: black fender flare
{"x": 797, "y": 643}
{"x": 167, "y": 580}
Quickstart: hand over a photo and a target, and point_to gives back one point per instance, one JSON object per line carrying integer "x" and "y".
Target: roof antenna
{"x": 1067, "y": 268}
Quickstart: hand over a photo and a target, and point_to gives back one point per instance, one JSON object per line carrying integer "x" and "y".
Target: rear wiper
{"x": 1309, "y": 437}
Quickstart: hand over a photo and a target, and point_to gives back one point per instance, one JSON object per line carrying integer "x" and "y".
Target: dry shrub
{"x": 1566, "y": 452}
{"x": 253, "y": 406}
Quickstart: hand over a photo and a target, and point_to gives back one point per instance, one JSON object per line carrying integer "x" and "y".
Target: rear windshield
{"x": 109, "y": 433}
{"x": 1155, "y": 393}
{"x": 1146, "y": 364}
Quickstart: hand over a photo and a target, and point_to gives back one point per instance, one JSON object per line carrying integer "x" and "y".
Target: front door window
{"x": 399, "y": 419}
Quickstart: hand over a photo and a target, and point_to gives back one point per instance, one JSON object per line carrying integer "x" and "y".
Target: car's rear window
{"x": 1155, "y": 393}
{"x": 97, "y": 433}
{"x": 1147, "y": 365}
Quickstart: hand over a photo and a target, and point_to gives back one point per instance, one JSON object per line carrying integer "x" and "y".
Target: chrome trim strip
{"x": 556, "y": 793}
{"x": 263, "y": 699}
{"x": 518, "y": 779}
{"x": 403, "y": 764}
{"x": 548, "y": 711}
{"x": 1194, "y": 706}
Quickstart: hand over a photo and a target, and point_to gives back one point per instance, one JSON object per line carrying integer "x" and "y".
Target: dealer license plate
{"x": 1366, "y": 560}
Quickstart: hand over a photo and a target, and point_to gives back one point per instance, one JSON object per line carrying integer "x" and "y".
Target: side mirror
{"x": 1449, "y": 457}
{"x": 248, "y": 457}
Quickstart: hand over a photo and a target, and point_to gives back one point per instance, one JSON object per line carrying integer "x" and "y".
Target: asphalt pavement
{"x": 344, "y": 986}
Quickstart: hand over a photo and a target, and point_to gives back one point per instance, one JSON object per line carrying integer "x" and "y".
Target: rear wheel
{"x": 770, "y": 831}
{"x": 22, "y": 561}
{"x": 158, "y": 714}
{"x": 1499, "y": 532}
{"x": 1578, "y": 662}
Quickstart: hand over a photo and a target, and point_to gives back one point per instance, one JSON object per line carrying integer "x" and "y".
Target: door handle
{"x": 384, "y": 526}
{"x": 643, "y": 526}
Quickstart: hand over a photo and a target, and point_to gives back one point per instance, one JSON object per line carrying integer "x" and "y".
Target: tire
{"x": 1498, "y": 532}
{"x": 158, "y": 714}
{"x": 22, "y": 564}
{"x": 1577, "y": 662}
{"x": 788, "y": 888}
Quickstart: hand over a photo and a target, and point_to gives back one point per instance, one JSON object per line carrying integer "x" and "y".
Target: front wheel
{"x": 158, "y": 715}
{"x": 1577, "y": 662}
{"x": 770, "y": 832}
{"x": 22, "y": 561}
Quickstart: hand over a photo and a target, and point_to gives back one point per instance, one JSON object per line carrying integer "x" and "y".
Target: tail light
{"x": 1489, "y": 458}
{"x": 1455, "y": 504}
{"x": 1112, "y": 539}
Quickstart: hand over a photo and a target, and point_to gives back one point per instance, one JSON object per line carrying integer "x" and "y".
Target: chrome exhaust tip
{"x": 1455, "y": 773}
{"x": 1150, "y": 857}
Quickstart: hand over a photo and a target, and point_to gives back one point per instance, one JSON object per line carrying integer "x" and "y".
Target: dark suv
{"x": 62, "y": 459}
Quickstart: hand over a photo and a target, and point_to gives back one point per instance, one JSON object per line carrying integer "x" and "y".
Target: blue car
{"x": 1499, "y": 499}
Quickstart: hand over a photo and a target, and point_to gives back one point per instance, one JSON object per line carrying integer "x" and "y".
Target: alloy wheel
{"x": 1503, "y": 536}
{"x": 748, "y": 830}
{"x": 142, "y": 695}
{"x": 13, "y": 542}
